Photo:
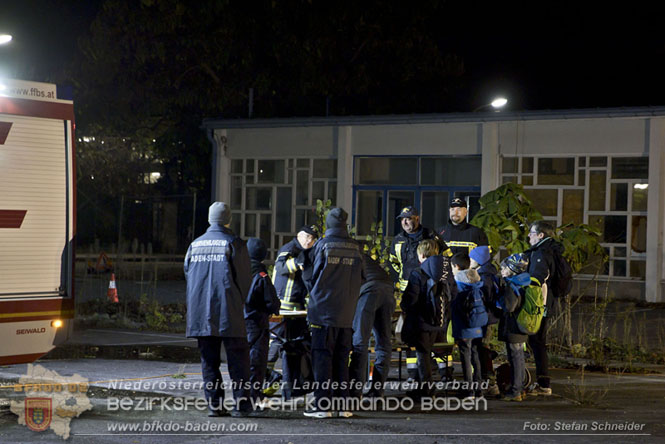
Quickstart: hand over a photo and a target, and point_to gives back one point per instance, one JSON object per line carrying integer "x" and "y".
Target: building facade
{"x": 598, "y": 167}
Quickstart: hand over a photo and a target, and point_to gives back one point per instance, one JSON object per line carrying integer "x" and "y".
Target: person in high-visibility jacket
{"x": 291, "y": 290}
{"x": 403, "y": 255}
{"x": 404, "y": 259}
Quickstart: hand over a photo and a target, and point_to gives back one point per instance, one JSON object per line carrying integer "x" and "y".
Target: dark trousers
{"x": 373, "y": 314}
{"x": 517, "y": 365}
{"x": 538, "y": 344}
{"x": 330, "y": 360}
{"x": 289, "y": 330}
{"x": 468, "y": 350}
{"x": 258, "y": 339}
{"x": 424, "y": 354}
{"x": 485, "y": 353}
{"x": 237, "y": 356}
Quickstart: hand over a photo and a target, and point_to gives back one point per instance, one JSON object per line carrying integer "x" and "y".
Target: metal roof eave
{"x": 411, "y": 119}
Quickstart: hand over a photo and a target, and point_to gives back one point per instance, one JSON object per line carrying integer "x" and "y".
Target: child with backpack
{"x": 262, "y": 301}
{"x": 481, "y": 261}
{"x": 469, "y": 320}
{"x": 424, "y": 305}
{"x": 520, "y": 298}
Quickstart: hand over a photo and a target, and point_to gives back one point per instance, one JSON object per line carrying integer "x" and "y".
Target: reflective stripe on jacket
{"x": 287, "y": 277}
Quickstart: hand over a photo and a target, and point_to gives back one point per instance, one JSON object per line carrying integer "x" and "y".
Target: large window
{"x": 385, "y": 185}
{"x": 608, "y": 192}
{"x": 272, "y": 198}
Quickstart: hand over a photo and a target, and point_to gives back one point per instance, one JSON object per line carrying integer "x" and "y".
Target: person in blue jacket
{"x": 469, "y": 320}
{"x": 262, "y": 301}
{"x": 334, "y": 287}
{"x": 217, "y": 271}
{"x": 514, "y": 282}
{"x": 481, "y": 261}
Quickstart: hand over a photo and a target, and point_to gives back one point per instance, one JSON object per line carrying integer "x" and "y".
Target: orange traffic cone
{"x": 112, "y": 292}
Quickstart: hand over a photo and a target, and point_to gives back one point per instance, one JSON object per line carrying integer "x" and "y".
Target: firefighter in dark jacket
{"x": 462, "y": 237}
{"x": 458, "y": 234}
{"x": 404, "y": 259}
{"x": 541, "y": 267}
{"x": 218, "y": 276}
{"x": 261, "y": 302}
{"x": 334, "y": 282}
{"x": 403, "y": 255}
{"x": 291, "y": 290}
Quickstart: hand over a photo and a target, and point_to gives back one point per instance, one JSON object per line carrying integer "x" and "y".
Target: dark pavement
{"x": 156, "y": 391}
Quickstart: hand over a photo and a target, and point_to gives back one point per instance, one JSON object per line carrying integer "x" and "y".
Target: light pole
{"x": 497, "y": 104}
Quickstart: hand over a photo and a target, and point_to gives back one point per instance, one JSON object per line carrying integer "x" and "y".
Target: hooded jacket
{"x": 511, "y": 298}
{"x": 262, "y": 300}
{"x": 336, "y": 276}
{"x": 469, "y": 285}
{"x": 463, "y": 237}
{"x": 218, "y": 277}
{"x": 421, "y": 313}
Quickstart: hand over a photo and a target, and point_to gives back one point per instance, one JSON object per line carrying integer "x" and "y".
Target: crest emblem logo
{"x": 38, "y": 413}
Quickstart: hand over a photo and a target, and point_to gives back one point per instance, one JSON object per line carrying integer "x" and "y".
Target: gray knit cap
{"x": 219, "y": 213}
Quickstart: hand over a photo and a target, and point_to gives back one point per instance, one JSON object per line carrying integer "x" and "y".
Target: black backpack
{"x": 436, "y": 293}
{"x": 561, "y": 282}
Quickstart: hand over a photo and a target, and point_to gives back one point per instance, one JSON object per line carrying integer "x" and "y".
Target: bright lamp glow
{"x": 56, "y": 324}
{"x": 5, "y": 38}
{"x": 641, "y": 186}
{"x": 499, "y": 102}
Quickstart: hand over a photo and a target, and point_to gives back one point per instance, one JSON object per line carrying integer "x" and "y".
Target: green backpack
{"x": 530, "y": 315}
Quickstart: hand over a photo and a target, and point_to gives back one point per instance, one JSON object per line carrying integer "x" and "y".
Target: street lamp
{"x": 497, "y": 104}
{"x": 5, "y": 38}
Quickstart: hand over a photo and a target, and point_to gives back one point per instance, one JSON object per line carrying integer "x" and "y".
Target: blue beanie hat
{"x": 480, "y": 254}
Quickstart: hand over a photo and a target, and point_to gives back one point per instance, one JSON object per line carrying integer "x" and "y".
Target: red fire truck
{"x": 37, "y": 219}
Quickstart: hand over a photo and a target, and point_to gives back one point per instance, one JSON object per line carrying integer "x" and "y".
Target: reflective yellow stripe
{"x": 37, "y": 313}
{"x": 398, "y": 251}
{"x": 403, "y": 283}
{"x": 291, "y": 265}
{"x": 288, "y": 305}
{"x": 447, "y": 253}
{"x": 289, "y": 288}
{"x": 400, "y": 271}
{"x": 462, "y": 244}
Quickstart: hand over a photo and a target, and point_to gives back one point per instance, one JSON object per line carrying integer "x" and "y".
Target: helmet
{"x": 517, "y": 263}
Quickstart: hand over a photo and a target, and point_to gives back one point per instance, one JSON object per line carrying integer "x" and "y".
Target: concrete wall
{"x": 265, "y": 143}
{"x": 603, "y": 136}
{"x": 417, "y": 139}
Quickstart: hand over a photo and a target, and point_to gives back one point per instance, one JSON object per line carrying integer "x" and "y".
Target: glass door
{"x": 397, "y": 200}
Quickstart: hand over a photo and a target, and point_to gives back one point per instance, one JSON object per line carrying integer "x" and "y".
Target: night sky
{"x": 550, "y": 56}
